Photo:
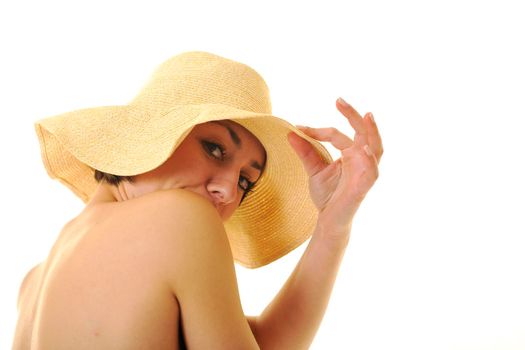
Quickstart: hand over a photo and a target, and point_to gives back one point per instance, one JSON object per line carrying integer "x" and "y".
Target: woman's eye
{"x": 217, "y": 152}
{"x": 214, "y": 149}
{"x": 244, "y": 183}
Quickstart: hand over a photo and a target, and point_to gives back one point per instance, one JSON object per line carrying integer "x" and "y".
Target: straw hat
{"x": 186, "y": 90}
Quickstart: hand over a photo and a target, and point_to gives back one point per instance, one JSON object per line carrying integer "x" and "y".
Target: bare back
{"x": 100, "y": 288}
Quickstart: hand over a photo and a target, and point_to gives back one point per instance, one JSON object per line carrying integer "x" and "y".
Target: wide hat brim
{"x": 274, "y": 219}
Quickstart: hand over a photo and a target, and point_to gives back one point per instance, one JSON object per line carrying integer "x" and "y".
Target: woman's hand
{"x": 337, "y": 189}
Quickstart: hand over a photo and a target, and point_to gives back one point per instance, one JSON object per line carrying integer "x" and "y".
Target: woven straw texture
{"x": 186, "y": 90}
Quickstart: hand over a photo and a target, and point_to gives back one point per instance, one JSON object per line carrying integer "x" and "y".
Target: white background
{"x": 436, "y": 259}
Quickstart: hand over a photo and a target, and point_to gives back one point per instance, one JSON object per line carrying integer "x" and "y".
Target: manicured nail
{"x": 343, "y": 102}
{"x": 368, "y": 150}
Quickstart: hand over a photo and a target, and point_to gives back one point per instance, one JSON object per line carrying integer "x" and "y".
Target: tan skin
{"x": 147, "y": 265}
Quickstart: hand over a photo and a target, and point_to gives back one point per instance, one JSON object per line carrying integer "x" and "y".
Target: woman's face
{"x": 219, "y": 160}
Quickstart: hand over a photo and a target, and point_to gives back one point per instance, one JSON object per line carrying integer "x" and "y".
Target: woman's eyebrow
{"x": 237, "y": 141}
{"x": 256, "y": 165}
{"x": 235, "y": 138}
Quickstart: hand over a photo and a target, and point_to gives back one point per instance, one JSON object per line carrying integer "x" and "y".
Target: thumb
{"x": 312, "y": 162}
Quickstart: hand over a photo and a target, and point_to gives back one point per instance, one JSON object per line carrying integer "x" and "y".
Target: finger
{"x": 354, "y": 118}
{"x": 332, "y": 135}
{"x": 312, "y": 162}
{"x": 371, "y": 155}
{"x": 374, "y": 138}
{"x": 363, "y": 163}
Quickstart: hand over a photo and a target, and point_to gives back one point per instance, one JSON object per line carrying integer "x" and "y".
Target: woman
{"x": 149, "y": 261}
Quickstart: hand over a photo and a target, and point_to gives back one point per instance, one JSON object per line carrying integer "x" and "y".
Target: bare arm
{"x": 291, "y": 320}
{"x": 200, "y": 272}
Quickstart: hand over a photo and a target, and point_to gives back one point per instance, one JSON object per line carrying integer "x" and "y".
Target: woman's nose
{"x": 223, "y": 190}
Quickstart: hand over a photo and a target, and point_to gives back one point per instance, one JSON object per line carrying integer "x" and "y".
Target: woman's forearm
{"x": 292, "y": 319}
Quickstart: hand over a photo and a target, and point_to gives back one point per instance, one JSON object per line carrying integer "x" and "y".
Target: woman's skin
{"x": 147, "y": 264}
{"x": 293, "y": 317}
{"x": 218, "y": 160}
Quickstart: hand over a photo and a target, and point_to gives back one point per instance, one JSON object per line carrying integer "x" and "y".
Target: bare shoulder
{"x": 199, "y": 268}
{"x": 28, "y": 282}
{"x": 176, "y": 214}
{"x": 176, "y": 204}
{"x": 187, "y": 230}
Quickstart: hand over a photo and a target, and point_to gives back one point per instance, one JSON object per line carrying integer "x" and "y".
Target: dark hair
{"x": 111, "y": 179}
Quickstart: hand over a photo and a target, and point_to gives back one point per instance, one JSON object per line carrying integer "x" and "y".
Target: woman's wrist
{"x": 335, "y": 236}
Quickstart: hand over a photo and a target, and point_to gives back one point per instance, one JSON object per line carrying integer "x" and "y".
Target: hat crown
{"x": 195, "y": 78}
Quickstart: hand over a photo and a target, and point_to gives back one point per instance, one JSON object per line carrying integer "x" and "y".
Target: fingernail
{"x": 368, "y": 150}
{"x": 371, "y": 116}
{"x": 301, "y": 127}
{"x": 343, "y": 102}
